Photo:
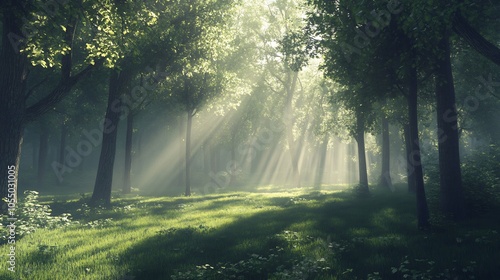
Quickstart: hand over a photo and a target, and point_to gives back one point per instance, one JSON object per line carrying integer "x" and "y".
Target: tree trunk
{"x": 42, "y": 154}
{"x": 10, "y": 151}
{"x": 181, "y": 174}
{"x": 62, "y": 142}
{"x": 188, "y": 151}
{"x": 451, "y": 197}
{"x": 353, "y": 178}
{"x": 13, "y": 75}
{"x": 232, "y": 175}
{"x": 127, "y": 185}
{"x": 34, "y": 155}
{"x": 104, "y": 178}
{"x": 290, "y": 89}
{"x": 385, "y": 176}
{"x": 363, "y": 171}
{"x": 138, "y": 157}
{"x": 414, "y": 157}
{"x": 318, "y": 180}
{"x": 206, "y": 157}
{"x": 410, "y": 170}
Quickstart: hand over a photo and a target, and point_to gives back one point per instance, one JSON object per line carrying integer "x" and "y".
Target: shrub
{"x": 480, "y": 181}
{"x": 32, "y": 215}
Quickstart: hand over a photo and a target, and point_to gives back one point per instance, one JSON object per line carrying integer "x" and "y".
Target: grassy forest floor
{"x": 287, "y": 234}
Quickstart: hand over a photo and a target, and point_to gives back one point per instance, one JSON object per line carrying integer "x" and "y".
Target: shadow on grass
{"x": 152, "y": 205}
{"x": 365, "y": 235}
{"x": 339, "y": 216}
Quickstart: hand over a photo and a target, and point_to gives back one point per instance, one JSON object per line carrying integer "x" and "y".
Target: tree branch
{"x": 475, "y": 40}
{"x": 57, "y": 94}
{"x": 33, "y": 88}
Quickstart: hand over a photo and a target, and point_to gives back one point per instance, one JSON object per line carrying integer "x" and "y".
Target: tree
{"x": 385, "y": 176}
{"x": 24, "y": 27}
{"x": 198, "y": 82}
{"x": 283, "y": 64}
{"x": 371, "y": 62}
{"x": 452, "y": 200}
{"x": 118, "y": 82}
{"x": 136, "y": 28}
{"x": 414, "y": 157}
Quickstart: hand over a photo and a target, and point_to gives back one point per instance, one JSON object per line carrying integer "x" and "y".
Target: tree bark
{"x": 13, "y": 75}
{"x": 475, "y": 40}
{"x": 188, "y": 152}
{"x": 62, "y": 142}
{"x": 414, "y": 160}
{"x": 14, "y": 113}
{"x": 318, "y": 179}
{"x": 42, "y": 154}
{"x": 290, "y": 89}
{"x": 127, "y": 185}
{"x": 385, "y": 176}
{"x": 363, "y": 171}
{"x": 232, "y": 175}
{"x": 34, "y": 155}
{"x": 451, "y": 199}
{"x": 104, "y": 178}
{"x": 181, "y": 172}
{"x": 410, "y": 170}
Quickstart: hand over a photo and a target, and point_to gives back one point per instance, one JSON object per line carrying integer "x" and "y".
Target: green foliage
{"x": 481, "y": 181}
{"x": 100, "y": 223}
{"x": 32, "y": 215}
{"x": 278, "y": 264}
{"x": 426, "y": 270}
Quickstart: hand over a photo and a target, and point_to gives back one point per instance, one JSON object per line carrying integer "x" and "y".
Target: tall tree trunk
{"x": 363, "y": 171}
{"x": 182, "y": 146}
{"x": 318, "y": 179}
{"x": 294, "y": 156}
{"x": 232, "y": 175}
{"x": 127, "y": 185}
{"x": 13, "y": 75}
{"x": 62, "y": 142}
{"x": 414, "y": 158}
{"x": 206, "y": 157}
{"x": 290, "y": 85}
{"x": 385, "y": 177}
{"x": 42, "y": 154}
{"x": 188, "y": 151}
{"x": 62, "y": 145}
{"x": 353, "y": 177}
{"x": 104, "y": 178}
{"x": 451, "y": 197}
{"x": 10, "y": 151}
{"x": 34, "y": 155}
{"x": 410, "y": 171}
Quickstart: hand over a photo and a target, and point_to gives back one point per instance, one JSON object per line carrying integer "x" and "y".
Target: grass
{"x": 286, "y": 234}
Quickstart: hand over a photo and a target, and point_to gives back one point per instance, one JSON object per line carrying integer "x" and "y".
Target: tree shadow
{"x": 160, "y": 256}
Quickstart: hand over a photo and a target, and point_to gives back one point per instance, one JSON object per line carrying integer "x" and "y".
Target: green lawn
{"x": 290, "y": 234}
